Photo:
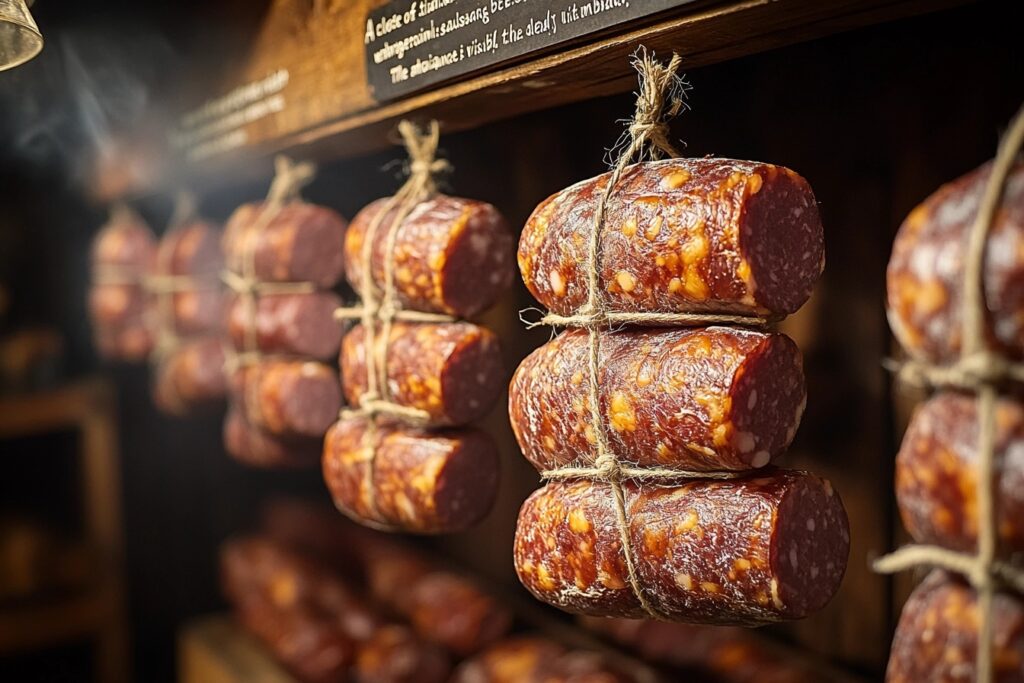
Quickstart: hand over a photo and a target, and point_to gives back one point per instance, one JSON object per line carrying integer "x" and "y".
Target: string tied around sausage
{"x": 379, "y": 310}
{"x": 661, "y": 96}
{"x": 289, "y": 179}
{"x": 981, "y": 371}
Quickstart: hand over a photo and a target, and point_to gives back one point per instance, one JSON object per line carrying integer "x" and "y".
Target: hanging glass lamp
{"x": 20, "y": 39}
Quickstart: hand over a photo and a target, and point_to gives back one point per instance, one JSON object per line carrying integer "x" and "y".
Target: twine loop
{"x": 289, "y": 179}
{"x": 379, "y": 310}
{"x": 659, "y": 98}
{"x": 979, "y": 370}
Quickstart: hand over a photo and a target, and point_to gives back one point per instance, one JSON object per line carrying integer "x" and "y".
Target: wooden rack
{"x": 98, "y": 610}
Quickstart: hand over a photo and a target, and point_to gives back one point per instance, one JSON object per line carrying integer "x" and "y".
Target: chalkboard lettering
{"x": 413, "y": 44}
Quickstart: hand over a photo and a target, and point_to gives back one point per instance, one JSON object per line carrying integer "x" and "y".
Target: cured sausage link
{"x": 680, "y": 235}
{"x": 300, "y": 243}
{"x": 453, "y": 371}
{"x": 705, "y": 399}
{"x": 422, "y": 481}
{"x": 191, "y": 376}
{"x": 288, "y": 397}
{"x": 937, "y": 635}
{"x": 295, "y": 324}
{"x": 926, "y": 271}
{"x": 451, "y": 255}
{"x": 749, "y": 551}
{"x": 937, "y": 473}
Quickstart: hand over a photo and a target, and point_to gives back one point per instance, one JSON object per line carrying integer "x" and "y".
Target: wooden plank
{"x": 324, "y": 110}
{"x": 48, "y": 411}
{"x": 216, "y": 650}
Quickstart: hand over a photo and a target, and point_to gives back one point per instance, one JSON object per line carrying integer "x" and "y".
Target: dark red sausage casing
{"x": 451, "y": 255}
{"x": 291, "y": 324}
{"x": 453, "y": 371}
{"x": 191, "y": 377}
{"x": 257, "y": 447}
{"x": 288, "y": 397}
{"x": 395, "y": 655}
{"x": 680, "y": 235}
{"x": 937, "y": 635}
{"x": 744, "y": 552}
{"x": 123, "y": 253}
{"x": 421, "y": 481}
{"x": 926, "y": 271}
{"x": 701, "y": 399}
{"x": 300, "y": 243}
{"x": 512, "y": 660}
{"x": 937, "y": 473}
{"x": 452, "y": 611}
{"x": 193, "y": 251}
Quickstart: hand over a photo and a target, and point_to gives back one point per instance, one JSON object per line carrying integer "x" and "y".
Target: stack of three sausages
{"x": 937, "y": 469}
{"x": 450, "y": 256}
{"x": 713, "y": 236}
{"x": 284, "y": 396}
{"x": 144, "y": 289}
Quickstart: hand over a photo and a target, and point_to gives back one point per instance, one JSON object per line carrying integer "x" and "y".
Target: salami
{"x": 450, "y": 610}
{"x": 926, "y": 271}
{"x": 680, "y": 235}
{"x": 288, "y": 397}
{"x": 450, "y": 255}
{"x": 193, "y": 251}
{"x": 428, "y": 482}
{"x": 258, "y": 447}
{"x": 726, "y": 654}
{"x": 191, "y": 377}
{"x": 580, "y": 666}
{"x": 937, "y": 635}
{"x": 706, "y": 399}
{"x": 300, "y": 243}
{"x": 937, "y": 473}
{"x": 395, "y": 655}
{"x": 307, "y": 644}
{"x": 291, "y": 324}
{"x": 122, "y": 256}
{"x": 513, "y": 660}
{"x": 763, "y": 548}
{"x": 453, "y": 371}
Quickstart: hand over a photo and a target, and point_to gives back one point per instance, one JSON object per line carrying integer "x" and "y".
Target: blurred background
{"x": 112, "y": 514}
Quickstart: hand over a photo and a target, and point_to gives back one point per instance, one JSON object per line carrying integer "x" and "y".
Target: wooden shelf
{"x": 47, "y": 411}
{"x": 329, "y": 113}
{"x": 216, "y": 650}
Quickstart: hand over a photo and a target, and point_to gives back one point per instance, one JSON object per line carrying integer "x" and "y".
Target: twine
{"x": 979, "y": 370}
{"x": 660, "y": 97}
{"x": 289, "y": 178}
{"x": 384, "y": 308}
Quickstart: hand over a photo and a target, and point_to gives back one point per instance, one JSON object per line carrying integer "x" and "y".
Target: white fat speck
{"x": 473, "y": 403}
{"x": 495, "y": 277}
{"x": 481, "y": 378}
{"x": 752, "y": 401}
{"x": 814, "y": 571}
{"x": 760, "y": 459}
{"x": 797, "y": 212}
{"x": 810, "y": 524}
{"x": 792, "y": 558}
{"x": 479, "y": 243}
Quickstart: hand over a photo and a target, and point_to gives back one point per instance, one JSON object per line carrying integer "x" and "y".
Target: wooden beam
{"x": 329, "y": 113}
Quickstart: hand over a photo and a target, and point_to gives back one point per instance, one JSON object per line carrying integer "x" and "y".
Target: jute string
{"x": 164, "y": 285}
{"x": 981, "y": 371}
{"x": 289, "y": 178}
{"x": 659, "y": 98}
{"x": 380, "y": 309}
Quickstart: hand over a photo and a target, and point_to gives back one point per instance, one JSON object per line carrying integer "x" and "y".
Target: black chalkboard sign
{"x": 412, "y": 44}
